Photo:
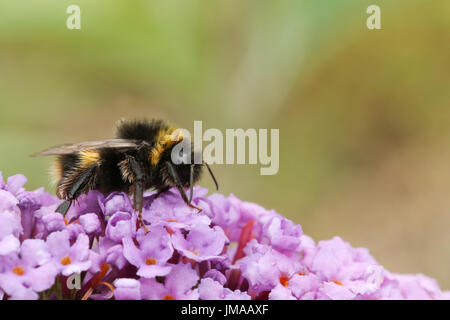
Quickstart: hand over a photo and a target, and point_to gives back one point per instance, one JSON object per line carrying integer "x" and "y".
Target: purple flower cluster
{"x": 232, "y": 250}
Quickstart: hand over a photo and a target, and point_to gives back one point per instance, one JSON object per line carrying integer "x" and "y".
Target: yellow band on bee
{"x": 56, "y": 172}
{"x": 88, "y": 158}
{"x": 166, "y": 139}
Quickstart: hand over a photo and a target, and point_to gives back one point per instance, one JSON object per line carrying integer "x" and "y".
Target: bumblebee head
{"x": 182, "y": 173}
{"x": 176, "y": 157}
{"x": 181, "y": 167}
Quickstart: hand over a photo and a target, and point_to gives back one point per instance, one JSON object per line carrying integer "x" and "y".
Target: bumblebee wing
{"x": 89, "y": 145}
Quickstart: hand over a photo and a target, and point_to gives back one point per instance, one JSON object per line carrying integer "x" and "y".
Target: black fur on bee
{"x": 138, "y": 159}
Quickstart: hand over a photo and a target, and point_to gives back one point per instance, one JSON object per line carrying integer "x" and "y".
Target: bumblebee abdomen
{"x": 62, "y": 165}
{"x": 107, "y": 176}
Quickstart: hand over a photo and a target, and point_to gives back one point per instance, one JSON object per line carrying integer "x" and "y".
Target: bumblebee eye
{"x": 183, "y": 156}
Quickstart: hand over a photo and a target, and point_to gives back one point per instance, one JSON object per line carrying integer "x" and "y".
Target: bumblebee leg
{"x": 138, "y": 200}
{"x": 75, "y": 184}
{"x": 136, "y": 173}
{"x": 162, "y": 191}
{"x": 64, "y": 207}
{"x": 185, "y": 198}
{"x": 180, "y": 188}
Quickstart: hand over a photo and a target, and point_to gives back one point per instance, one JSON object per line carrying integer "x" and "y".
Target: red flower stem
{"x": 246, "y": 236}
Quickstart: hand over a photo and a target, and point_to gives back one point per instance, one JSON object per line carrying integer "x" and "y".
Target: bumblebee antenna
{"x": 212, "y": 175}
{"x": 191, "y": 183}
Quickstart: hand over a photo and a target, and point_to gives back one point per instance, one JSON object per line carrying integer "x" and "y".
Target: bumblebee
{"x": 138, "y": 159}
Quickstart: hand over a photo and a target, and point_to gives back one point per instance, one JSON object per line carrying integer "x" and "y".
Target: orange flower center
{"x": 18, "y": 270}
{"x": 301, "y": 274}
{"x": 66, "y": 260}
{"x": 66, "y": 222}
{"x": 337, "y": 282}
{"x": 194, "y": 252}
{"x": 168, "y": 298}
{"x": 284, "y": 281}
{"x": 150, "y": 261}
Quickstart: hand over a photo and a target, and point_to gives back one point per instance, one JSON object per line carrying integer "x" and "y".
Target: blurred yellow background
{"x": 364, "y": 115}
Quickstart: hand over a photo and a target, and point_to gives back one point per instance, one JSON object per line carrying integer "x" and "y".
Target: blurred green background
{"x": 364, "y": 115}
